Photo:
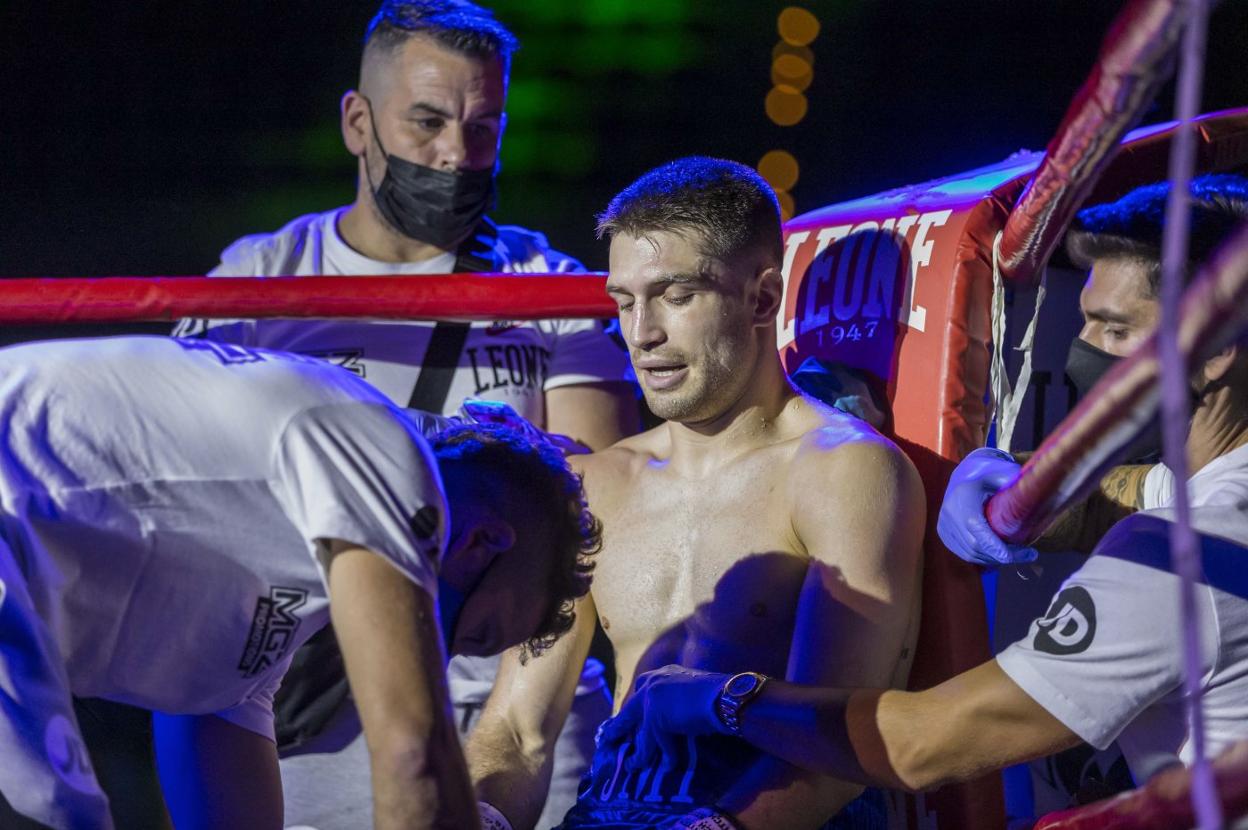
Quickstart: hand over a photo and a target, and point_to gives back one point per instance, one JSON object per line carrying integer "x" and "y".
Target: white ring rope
{"x": 1175, "y": 407}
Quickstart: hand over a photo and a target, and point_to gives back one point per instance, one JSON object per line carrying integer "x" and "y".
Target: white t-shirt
{"x": 1107, "y": 659}
{"x": 513, "y": 362}
{"x": 1222, "y": 482}
{"x": 168, "y": 501}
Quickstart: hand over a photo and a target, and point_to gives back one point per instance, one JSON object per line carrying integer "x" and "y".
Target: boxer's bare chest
{"x": 700, "y": 570}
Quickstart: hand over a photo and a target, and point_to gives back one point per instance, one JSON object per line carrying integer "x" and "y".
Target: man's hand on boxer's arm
{"x": 669, "y": 701}
{"x": 962, "y": 525}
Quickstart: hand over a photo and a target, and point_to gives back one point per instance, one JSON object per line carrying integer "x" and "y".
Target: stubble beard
{"x": 706, "y": 394}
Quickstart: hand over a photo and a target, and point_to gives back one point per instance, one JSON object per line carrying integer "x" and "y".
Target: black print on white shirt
{"x": 1070, "y": 624}
{"x": 494, "y": 367}
{"x": 229, "y": 354}
{"x": 272, "y": 629}
{"x": 349, "y": 359}
{"x": 425, "y": 522}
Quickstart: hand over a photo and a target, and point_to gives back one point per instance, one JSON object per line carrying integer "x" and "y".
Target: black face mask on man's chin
{"x": 1085, "y": 365}
{"x": 428, "y": 205}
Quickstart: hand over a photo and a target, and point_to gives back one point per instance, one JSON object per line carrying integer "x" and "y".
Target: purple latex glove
{"x": 669, "y": 701}
{"x": 962, "y": 525}
{"x": 496, "y": 412}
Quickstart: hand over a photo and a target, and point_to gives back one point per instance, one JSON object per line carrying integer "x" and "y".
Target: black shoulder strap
{"x": 446, "y": 342}
{"x": 315, "y": 687}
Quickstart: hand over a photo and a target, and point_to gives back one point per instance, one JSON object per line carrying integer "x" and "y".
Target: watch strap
{"x": 730, "y": 705}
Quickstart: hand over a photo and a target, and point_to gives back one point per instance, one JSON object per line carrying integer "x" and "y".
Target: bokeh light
{"x": 803, "y": 52}
{"x": 779, "y": 168}
{"x": 797, "y": 26}
{"x": 792, "y": 71}
{"x": 787, "y": 207}
{"x": 785, "y": 105}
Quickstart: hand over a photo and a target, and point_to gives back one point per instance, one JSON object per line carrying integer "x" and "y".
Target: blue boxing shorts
{"x": 698, "y": 774}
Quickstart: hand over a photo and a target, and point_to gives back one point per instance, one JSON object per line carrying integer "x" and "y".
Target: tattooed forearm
{"x": 1124, "y": 486}
{"x": 1121, "y": 493}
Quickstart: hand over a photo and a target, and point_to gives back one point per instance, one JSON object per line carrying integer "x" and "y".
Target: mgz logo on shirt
{"x": 272, "y": 629}
{"x": 1070, "y": 624}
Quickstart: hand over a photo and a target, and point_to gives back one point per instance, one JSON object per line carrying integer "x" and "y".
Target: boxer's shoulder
{"x": 837, "y": 449}
{"x": 623, "y": 457}
{"x": 825, "y": 434}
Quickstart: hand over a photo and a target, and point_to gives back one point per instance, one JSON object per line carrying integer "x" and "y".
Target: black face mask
{"x": 428, "y": 205}
{"x": 1085, "y": 365}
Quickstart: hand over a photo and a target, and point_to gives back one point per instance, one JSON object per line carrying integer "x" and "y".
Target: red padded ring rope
{"x": 408, "y": 297}
{"x": 1133, "y": 63}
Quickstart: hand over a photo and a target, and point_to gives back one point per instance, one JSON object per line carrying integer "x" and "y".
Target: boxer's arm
{"x": 858, "y": 510}
{"x": 216, "y": 774}
{"x": 596, "y": 414}
{"x": 511, "y": 750}
{"x": 388, "y": 630}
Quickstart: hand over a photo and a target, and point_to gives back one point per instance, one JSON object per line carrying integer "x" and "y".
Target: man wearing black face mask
{"x": 436, "y": 207}
{"x": 425, "y": 126}
{"x": 1120, "y": 245}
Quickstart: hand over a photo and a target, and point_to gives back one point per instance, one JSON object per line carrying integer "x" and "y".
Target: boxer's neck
{"x": 755, "y": 419}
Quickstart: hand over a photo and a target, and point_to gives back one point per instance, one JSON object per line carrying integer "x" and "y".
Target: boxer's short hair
{"x": 456, "y": 24}
{"x": 529, "y": 480}
{"x": 1132, "y": 227}
{"x": 727, "y": 206}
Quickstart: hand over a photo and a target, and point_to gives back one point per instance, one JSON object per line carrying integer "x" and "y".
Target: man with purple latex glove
{"x": 1120, "y": 245}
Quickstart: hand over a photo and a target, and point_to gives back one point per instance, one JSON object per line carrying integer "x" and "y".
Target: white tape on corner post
{"x": 1007, "y": 400}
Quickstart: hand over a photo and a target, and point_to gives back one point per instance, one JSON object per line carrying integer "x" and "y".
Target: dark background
{"x": 143, "y": 137}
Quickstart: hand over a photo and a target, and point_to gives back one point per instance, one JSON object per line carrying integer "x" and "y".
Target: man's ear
{"x": 475, "y": 549}
{"x": 495, "y": 535}
{"x": 356, "y": 127}
{"x": 1217, "y": 367}
{"x": 770, "y": 295}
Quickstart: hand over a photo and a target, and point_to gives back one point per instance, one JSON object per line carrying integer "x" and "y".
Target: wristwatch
{"x": 736, "y": 694}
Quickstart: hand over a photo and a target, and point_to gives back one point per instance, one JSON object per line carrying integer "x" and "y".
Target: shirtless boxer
{"x": 1105, "y": 662}
{"x": 755, "y": 528}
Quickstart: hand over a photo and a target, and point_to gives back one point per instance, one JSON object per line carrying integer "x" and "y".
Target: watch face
{"x": 741, "y": 685}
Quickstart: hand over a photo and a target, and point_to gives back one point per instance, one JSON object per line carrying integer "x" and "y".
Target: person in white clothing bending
{"x": 425, "y": 126}
{"x": 177, "y": 516}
